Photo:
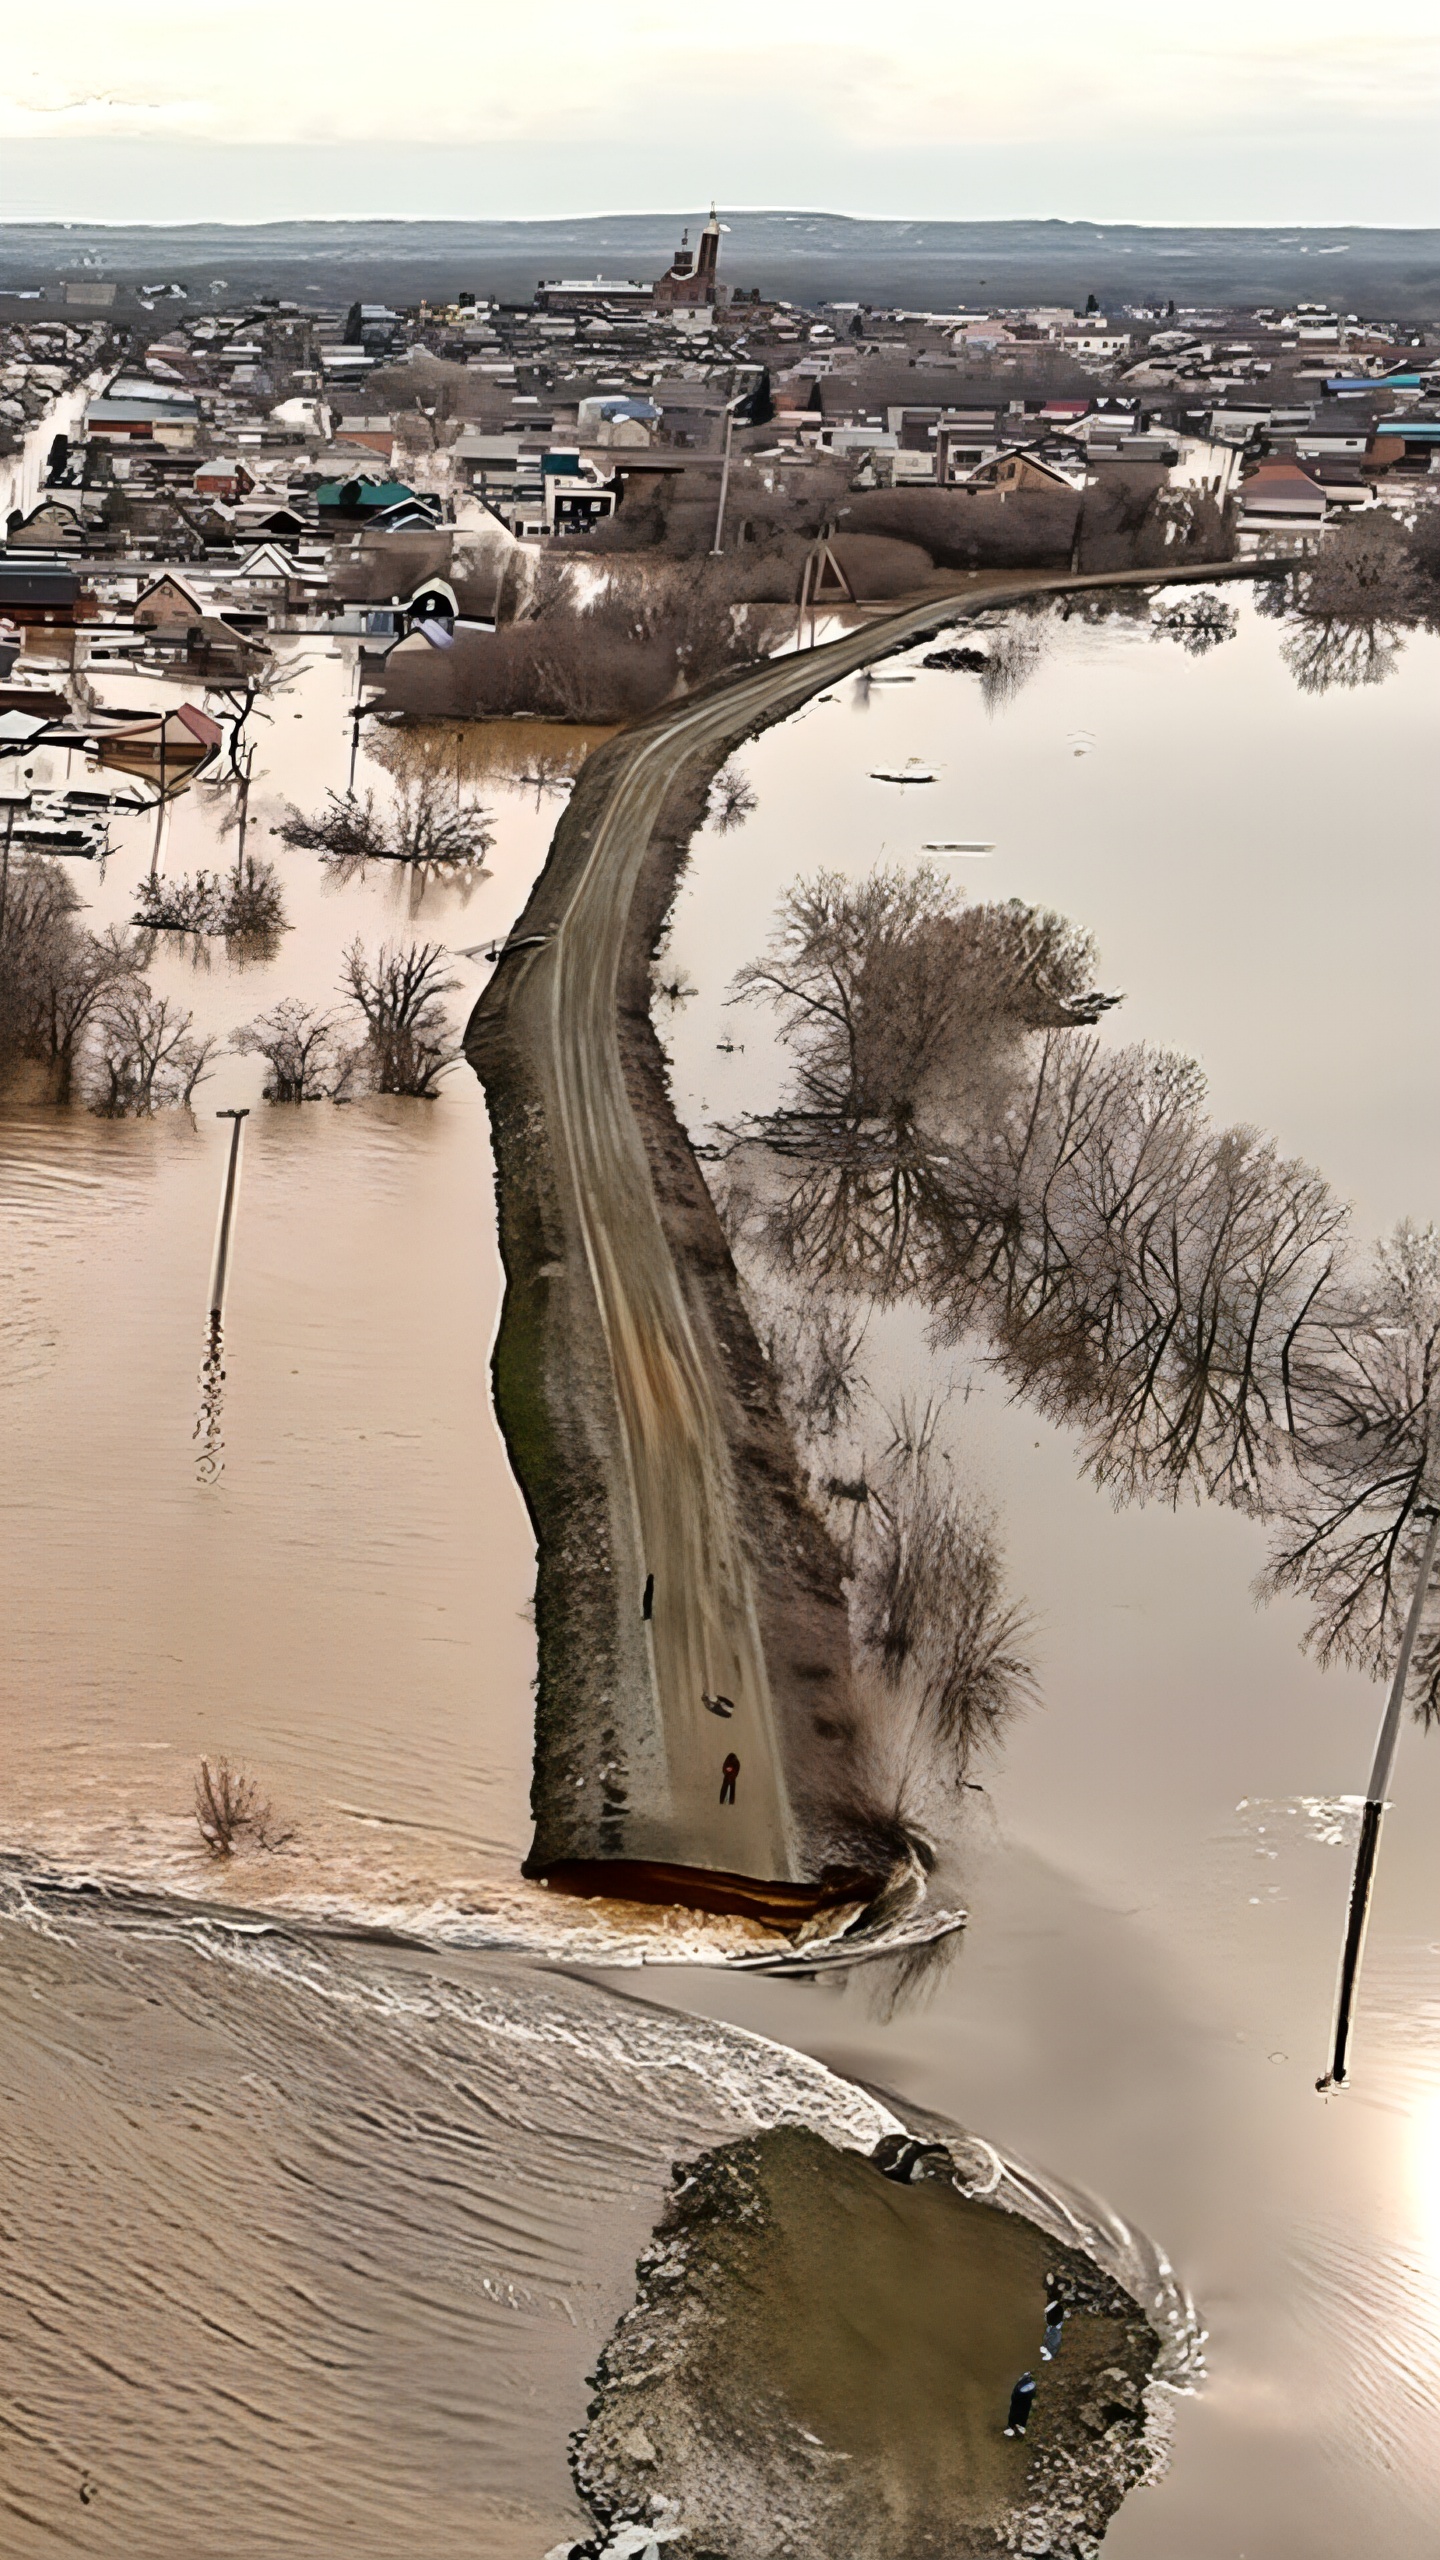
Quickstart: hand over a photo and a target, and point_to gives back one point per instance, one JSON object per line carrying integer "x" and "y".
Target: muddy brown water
{"x": 297, "y": 2246}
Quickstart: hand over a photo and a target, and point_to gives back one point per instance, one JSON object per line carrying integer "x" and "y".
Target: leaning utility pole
{"x": 1370, "y": 1820}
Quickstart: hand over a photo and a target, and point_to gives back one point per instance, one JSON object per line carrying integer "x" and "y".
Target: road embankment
{"x": 637, "y": 1406}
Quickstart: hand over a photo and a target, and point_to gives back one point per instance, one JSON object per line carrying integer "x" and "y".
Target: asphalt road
{"x": 703, "y": 1636}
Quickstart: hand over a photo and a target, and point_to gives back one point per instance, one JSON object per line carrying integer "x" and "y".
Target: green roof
{"x": 373, "y": 493}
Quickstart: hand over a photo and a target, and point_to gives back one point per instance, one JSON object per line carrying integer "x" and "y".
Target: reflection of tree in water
{"x": 732, "y": 799}
{"x": 1199, "y": 625}
{"x": 1320, "y": 654}
{"x": 899, "y": 1985}
{"x": 209, "y": 1431}
{"x": 1015, "y": 652}
{"x": 1349, "y": 603}
{"x": 1177, "y": 1293}
{"x": 931, "y": 1608}
{"x": 539, "y": 755}
{"x": 1354, "y": 1512}
{"x": 411, "y": 882}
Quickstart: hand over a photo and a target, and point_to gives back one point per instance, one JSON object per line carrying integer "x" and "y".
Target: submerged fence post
{"x": 1368, "y": 1847}
{"x": 227, "y": 1212}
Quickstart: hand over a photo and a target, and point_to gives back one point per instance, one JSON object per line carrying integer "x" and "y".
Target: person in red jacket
{"x": 729, "y": 1772}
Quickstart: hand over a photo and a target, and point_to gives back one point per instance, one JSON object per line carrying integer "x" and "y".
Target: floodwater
{"x": 1157, "y": 1872}
{"x": 319, "y": 1566}
{"x": 310, "y": 2242}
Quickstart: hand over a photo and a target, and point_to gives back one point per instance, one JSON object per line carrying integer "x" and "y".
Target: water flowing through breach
{"x": 300, "y": 2216}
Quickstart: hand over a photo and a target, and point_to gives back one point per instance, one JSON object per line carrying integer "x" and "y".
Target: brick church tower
{"x": 689, "y": 283}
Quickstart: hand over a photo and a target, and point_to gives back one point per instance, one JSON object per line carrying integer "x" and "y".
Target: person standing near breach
{"x": 1020, "y": 2399}
{"x": 729, "y": 1772}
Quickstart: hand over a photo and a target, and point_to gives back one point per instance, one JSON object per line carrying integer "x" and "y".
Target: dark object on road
{"x": 729, "y": 1772}
{"x": 718, "y": 1706}
{"x": 970, "y": 662}
{"x": 1020, "y": 2399}
{"x": 647, "y": 1605}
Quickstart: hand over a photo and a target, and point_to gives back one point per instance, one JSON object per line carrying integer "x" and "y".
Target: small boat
{"x": 914, "y": 771}
{"x": 957, "y": 846}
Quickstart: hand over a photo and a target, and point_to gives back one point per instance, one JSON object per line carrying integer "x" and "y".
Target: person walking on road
{"x": 729, "y": 1772}
{"x": 1020, "y": 2399}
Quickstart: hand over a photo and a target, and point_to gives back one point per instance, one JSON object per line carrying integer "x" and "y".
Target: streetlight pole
{"x": 717, "y": 546}
{"x": 227, "y": 1212}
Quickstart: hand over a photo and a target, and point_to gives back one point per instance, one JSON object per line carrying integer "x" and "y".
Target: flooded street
{"x": 361, "y": 2217}
{"x": 1157, "y": 1870}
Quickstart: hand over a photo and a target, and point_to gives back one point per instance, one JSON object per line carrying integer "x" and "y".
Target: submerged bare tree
{"x": 426, "y": 823}
{"x": 1202, "y": 623}
{"x": 146, "y": 1057}
{"x": 901, "y": 1006}
{"x": 397, "y": 994}
{"x": 254, "y": 917}
{"x": 246, "y": 905}
{"x": 301, "y": 1048}
{"x": 230, "y": 1810}
{"x": 180, "y": 903}
{"x": 54, "y": 975}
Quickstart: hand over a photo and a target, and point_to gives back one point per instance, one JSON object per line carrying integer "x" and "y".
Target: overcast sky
{"x": 1246, "y": 111}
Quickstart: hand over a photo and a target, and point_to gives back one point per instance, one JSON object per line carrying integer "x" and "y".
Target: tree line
{"x": 77, "y": 1007}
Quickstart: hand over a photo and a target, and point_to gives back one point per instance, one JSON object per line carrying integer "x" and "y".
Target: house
{"x": 269, "y": 571}
{"x": 133, "y": 411}
{"x": 607, "y": 418}
{"x": 179, "y": 742}
{"x": 576, "y": 494}
{"x": 364, "y": 501}
{"x": 1021, "y": 469}
{"x": 223, "y": 478}
{"x": 964, "y": 439}
{"x": 614, "y": 296}
{"x": 42, "y": 594}
{"x": 53, "y": 525}
{"x": 280, "y": 520}
{"x": 1279, "y": 500}
{"x": 376, "y": 433}
{"x": 167, "y": 600}
{"x": 1095, "y": 342}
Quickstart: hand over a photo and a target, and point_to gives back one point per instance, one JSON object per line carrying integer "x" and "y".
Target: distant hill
{"x": 806, "y": 257}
